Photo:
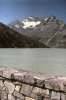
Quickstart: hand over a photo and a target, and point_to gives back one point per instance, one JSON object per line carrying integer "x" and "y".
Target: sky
{"x": 11, "y": 10}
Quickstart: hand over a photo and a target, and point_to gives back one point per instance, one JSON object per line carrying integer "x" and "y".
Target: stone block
{"x": 8, "y": 71}
{"x": 26, "y": 90}
{"x": 40, "y": 91}
{"x": 55, "y": 96}
{"x": 28, "y": 79}
{"x": 28, "y": 98}
{"x": 1, "y": 84}
{"x": 39, "y": 83}
{"x": 11, "y": 97}
{"x": 18, "y": 95}
{"x": 46, "y": 98}
{"x": 17, "y": 83}
{"x": 62, "y": 96}
{"x": 4, "y": 93}
{"x": 52, "y": 84}
{"x": 18, "y": 76}
{"x": 17, "y": 88}
{"x": 10, "y": 86}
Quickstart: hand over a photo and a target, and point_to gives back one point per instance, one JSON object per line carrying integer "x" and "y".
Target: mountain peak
{"x": 31, "y": 21}
{"x": 48, "y": 30}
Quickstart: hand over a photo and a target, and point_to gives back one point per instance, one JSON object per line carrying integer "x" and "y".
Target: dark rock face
{"x": 51, "y": 31}
{"x": 12, "y": 39}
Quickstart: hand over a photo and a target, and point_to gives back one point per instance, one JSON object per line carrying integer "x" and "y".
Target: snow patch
{"x": 46, "y": 19}
{"x": 17, "y": 26}
{"x": 30, "y": 24}
{"x": 31, "y": 18}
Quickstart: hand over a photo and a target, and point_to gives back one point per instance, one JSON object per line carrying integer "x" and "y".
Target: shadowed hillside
{"x": 12, "y": 39}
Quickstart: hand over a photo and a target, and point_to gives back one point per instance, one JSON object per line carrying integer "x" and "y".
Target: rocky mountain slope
{"x": 12, "y": 39}
{"x": 47, "y": 30}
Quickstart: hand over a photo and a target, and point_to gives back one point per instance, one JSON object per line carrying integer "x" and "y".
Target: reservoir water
{"x": 47, "y": 61}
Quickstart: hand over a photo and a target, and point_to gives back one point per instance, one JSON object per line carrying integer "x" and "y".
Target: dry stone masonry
{"x": 24, "y": 85}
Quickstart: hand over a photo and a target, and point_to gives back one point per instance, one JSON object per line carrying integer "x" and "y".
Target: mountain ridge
{"x": 48, "y": 30}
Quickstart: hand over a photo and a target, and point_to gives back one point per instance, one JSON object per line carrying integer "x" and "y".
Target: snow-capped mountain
{"x": 48, "y": 30}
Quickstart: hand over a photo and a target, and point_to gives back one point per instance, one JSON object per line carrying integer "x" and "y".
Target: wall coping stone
{"x": 53, "y": 83}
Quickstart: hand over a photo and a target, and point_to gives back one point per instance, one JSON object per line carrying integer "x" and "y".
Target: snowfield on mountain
{"x": 48, "y": 30}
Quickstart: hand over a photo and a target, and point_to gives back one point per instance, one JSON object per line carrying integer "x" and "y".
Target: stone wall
{"x": 24, "y": 85}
